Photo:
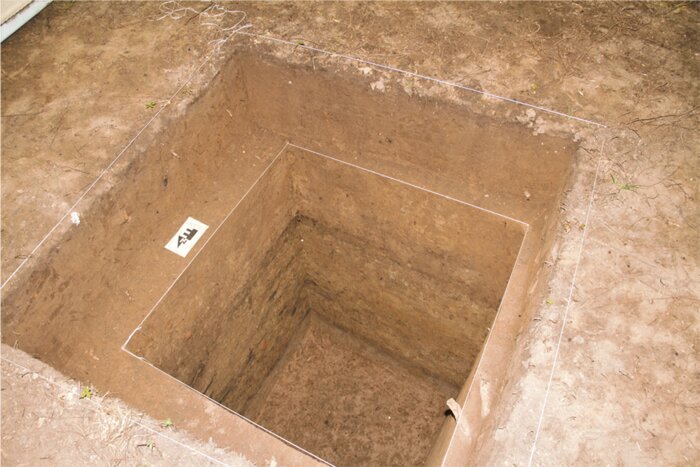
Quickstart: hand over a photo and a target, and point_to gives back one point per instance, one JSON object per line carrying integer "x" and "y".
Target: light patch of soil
{"x": 46, "y": 422}
{"x": 63, "y": 126}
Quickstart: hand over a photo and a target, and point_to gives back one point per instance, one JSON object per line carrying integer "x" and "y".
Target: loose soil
{"x": 350, "y": 402}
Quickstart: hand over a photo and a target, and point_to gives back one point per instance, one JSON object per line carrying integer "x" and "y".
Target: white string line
{"x": 172, "y": 9}
{"x": 138, "y": 328}
{"x": 118, "y": 156}
{"x": 566, "y": 309}
{"x": 483, "y": 350}
{"x": 199, "y": 393}
{"x": 403, "y": 182}
{"x": 429, "y": 78}
{"x": 134, "y": 421}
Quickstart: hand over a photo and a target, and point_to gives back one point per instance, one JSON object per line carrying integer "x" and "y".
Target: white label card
{"x": 186, "y": 237}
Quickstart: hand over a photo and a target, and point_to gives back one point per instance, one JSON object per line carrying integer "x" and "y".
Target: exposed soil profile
{"x": 76, "y": 81}
{"x": 405, "y": 296}
{"x": 342, "y": 259}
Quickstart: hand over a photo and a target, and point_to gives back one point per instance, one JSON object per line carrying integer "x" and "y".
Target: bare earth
{"x": 607, "y": 372}
{"x": 46, "y": 421}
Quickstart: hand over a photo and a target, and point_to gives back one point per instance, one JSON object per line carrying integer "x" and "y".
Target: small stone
{"x": 377, "y": 85}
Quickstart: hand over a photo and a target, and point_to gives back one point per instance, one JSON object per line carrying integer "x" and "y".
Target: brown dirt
{"x": 350, "y": 402}
{"x": 410, "y": 272}
{"x": 50, "y": 153}
{"x": 45, "y": 421}
{"x": 221, "y": 145}
{"x": 633, "y": 66}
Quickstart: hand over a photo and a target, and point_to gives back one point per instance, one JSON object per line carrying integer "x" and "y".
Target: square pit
{"x": 337, "y": 307}
{"x": 368, "y": 283}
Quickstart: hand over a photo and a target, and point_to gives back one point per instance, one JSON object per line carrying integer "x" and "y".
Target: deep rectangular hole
{"x": 338, "y": 308}
{"x": 393, "y": 288}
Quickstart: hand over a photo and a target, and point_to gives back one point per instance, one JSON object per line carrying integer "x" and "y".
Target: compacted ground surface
{"x": 606, "y": 368}
{"x": 49, "y": 419}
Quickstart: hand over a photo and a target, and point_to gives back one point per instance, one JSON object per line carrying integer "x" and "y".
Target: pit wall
{"x": 431, "y": 143}
{"x": 411, "y": 272}
{"x": 75, "y": 304}
{"x": 499, "y": 166}
{"x": 231, "y": 316}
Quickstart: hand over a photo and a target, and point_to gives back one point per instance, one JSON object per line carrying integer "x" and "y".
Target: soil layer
{"x": 351, "y": 403}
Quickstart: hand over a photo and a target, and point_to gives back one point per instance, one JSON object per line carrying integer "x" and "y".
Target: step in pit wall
{"x": 425, "y": 141}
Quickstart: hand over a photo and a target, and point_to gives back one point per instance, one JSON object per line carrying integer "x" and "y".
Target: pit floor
{"x": 349, "y": 402}
{"x": 623, "y": 389}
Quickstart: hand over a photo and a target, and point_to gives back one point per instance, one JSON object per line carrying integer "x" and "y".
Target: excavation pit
{"x": 338, "y": 308}
{"x": 410, "y": 286}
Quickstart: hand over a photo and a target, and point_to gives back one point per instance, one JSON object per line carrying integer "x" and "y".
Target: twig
{"x": 682, "y": 114}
